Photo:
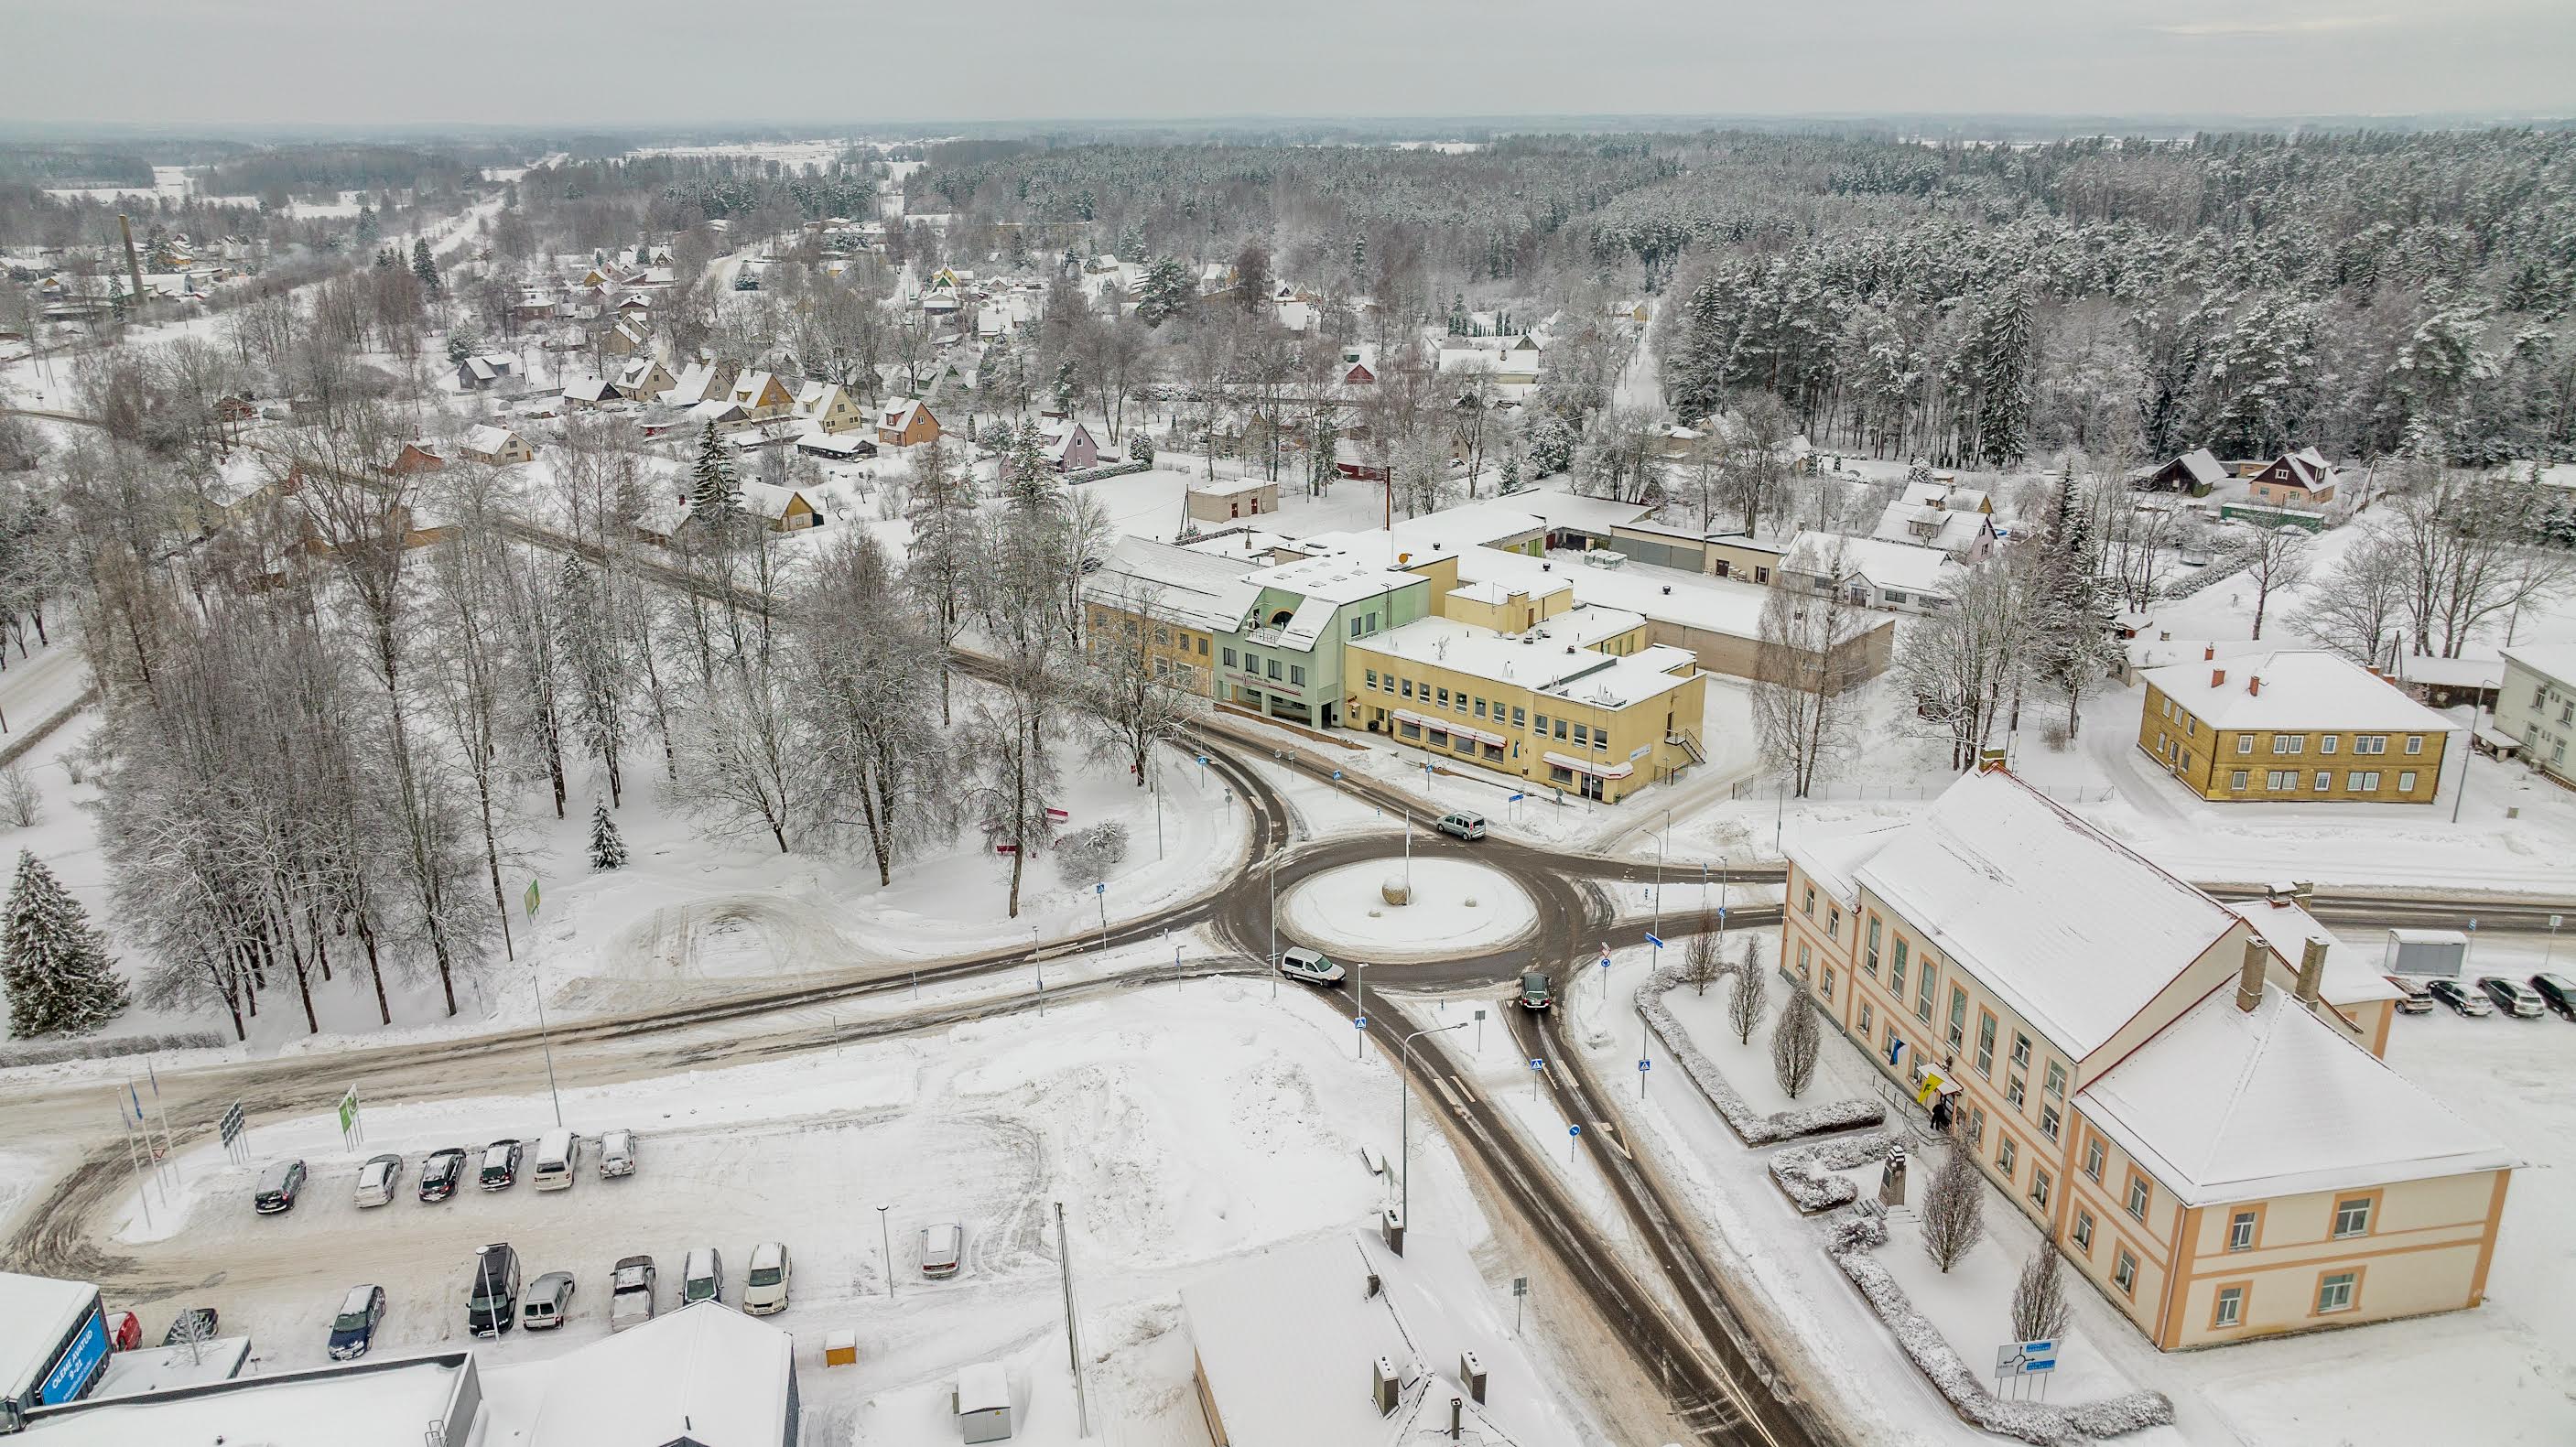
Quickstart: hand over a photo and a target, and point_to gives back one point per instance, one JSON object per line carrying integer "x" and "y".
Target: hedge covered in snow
{"x": 1752, "y": 1127}
{"x": 1807, "y": 1172}
{"x": 49, "y": 1052}
{"x": 1851, "y": 1239}
{"x": 1114, "y": 469}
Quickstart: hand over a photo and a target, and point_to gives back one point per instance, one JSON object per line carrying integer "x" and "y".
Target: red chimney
{"x": 2208, "y": 651}
{"x": 2218, "y": 678}
{"x": 2254, "y": 685}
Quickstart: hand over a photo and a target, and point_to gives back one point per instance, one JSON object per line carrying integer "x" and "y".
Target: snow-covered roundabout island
{"x": 1458, "y": 908}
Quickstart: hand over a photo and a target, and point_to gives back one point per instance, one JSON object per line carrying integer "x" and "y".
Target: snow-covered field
{"x": 1457, "y": 908}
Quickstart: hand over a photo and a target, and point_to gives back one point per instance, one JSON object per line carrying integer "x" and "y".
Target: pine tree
{"x": 713, "y": 497}
{"x": 366, "y": 225}
{"x": 53, "y": 962}
{"x": 607, "y": 847}
{"x": 425, "y": 267}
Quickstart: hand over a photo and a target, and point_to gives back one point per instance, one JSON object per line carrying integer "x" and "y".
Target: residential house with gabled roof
{"x": 645, "y": 379}
{"x": 2196, "y": 472}
{"x": 762, "y": 395}
{"x": 2297, "y": 726}
{"x": 2143, "y": 1073}
{"x": 589, "y": 393}
{"x": 1871, "y": 572}
{"x": 906, "y": 422}
{"x": 2300, "y": 479}
{"x": 495, "y": 446}
{"x": 700, "y": 382}
{"x": 829, "y": 407}
{"x": 485, "y": 370}
{"x": 1967, "y": 535}
{"x": 1070, "y": 446}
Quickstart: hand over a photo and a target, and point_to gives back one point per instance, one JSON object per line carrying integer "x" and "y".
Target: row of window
{"x": 1459, "y": 701}
{"x": 1268, "y": 667}
{"x": 2327, "y": 743}
{"x": 2356, "y": 781}
{"x": 1127, "y": 628}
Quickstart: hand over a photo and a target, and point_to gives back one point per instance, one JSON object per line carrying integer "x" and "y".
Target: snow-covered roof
{"x": 1334, "y": 580}
{"x": 2203, "y": 466}
{"x": 370, "y": 1404}
{"x": 705, "y": 1374}
{"x": 1285, "y": 1339}
{"x": 1188, "y": 587}
{"x": 2300, "y": 689}
{"x": 2453, "y": 672}
{"x": 1834, "y": 861}
{"x": 1560, "y": 509}
{"x": 486, "y": 438}
{"x": 2350, "y": 978}
{"x": 2075, "y": 932}
{"x": 1886, "y": 565}
{"x": 40, "y": 1310}
{"x": 982, "y": 1387}
{"x": 1930, "y": 525}
{"x": 1557, "y": 658}
{"x": 1232, "y": 486}
{"x": 2549, "y": 660}
{"x": 2232, "y": 1105}
{"x": 696, "y": 383}
{"x": 590, "y": 389}
{"x": 769, "y": 500}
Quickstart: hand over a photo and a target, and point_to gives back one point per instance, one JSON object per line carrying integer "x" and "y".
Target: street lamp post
{"x": 1270, "y": 872}
{"x": 1037, "y": 962}
{"x": 1658, "y": 929}
{"x": 1404, "y": 1115}
{"x": 546, "y": 1037}
{"x": 885, "y": 1246}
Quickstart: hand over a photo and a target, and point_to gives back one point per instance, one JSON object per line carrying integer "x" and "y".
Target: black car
{"x": 2513, "y": 997}
{"x": 2558, "y": 992}
{"x": 2459, "y": 997}
{"x": 195, "y": 1323}
{"x": 1538, "y": 992}
{"x": 441, "y": 1173}
{"x": 278, "y": 1186}
{"x": 354, "y": 1329}
{"x": 492, "y": 1296}
{"x": 501, "y": 1164}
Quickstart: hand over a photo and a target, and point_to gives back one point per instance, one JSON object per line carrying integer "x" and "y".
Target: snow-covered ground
{"x": 1457, "y": 908}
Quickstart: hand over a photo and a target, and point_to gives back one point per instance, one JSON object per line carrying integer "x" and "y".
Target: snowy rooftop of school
{"x": 2227, "y": 1104}
{"x": 1333, "y": 580}
{"x": 2557, "y": 660}
{"x": 2075, "y": 932}
{"x": 1189, "y": 587}
{"x": 330, "y": 1407}
{"x": 2350, "y": 976}
{"x": 1558, "y": 657}
{"x": 1667, "y": 595}
{"x": 2300, "y": 689}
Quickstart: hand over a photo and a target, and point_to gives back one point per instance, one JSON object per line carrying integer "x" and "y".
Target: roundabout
{"x": 1457, "y": 906}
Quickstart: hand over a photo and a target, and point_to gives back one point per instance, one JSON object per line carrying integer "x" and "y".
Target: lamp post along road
{"x": 1404, "y": 1115}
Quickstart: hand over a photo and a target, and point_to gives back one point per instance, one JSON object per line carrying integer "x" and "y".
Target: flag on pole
{"x": 138, "y": 1100}
{"x": 531, "y": 898}
{"x": 1652, "y": 940}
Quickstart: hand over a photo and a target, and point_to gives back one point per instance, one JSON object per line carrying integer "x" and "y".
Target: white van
{"x": 616, "y": 1153}
{"x": 558, "y": 1153}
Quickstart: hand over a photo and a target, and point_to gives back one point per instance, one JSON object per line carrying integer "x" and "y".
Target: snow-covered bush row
{"x": 48, "y": 1052}
{"x": 1807, "y": 1172}
{"x": 1115, "y": 469}
{"x": 1849, "y": 1242}
{"x": 1753, "y": 1128}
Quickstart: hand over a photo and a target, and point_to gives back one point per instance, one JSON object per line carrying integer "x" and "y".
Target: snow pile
{"x": 1808, "y": 1173}
{"x": 1851, "y": 1239}
{"x": 1755, "y": 1129}
{"x": 47, "y": 1052}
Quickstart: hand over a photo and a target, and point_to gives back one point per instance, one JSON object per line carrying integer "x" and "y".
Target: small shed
{"x": 2433, "y": 953}
{"x": 1225, "y": 499}
{"x": 983, "y": 1402}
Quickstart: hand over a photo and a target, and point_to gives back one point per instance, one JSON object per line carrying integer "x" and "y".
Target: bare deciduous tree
{"x": 1796, "y": 1044}
{"x": 2277, "y": 559}
{"x": 1801, "y": 675}
{"x": 2039, "y": 1304}
{"x": 1702, "y": 962}
{"x": 1751, "y": 1000}
{"x": 1954, "y": 1209}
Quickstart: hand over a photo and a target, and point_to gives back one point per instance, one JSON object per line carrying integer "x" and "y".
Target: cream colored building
{"x": 2196, "y": 1115}
{"x": 2291, "y": 727}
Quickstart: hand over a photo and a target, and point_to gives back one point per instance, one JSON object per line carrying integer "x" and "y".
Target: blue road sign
{"x": 1645, "y": 1065}
{"x": 1516, "y": 798}
{"x": 1538, "y": 1065}
{"x": 1359, "y": 1022}
{"x": 1202, "y": 760}
{"x": 1721, "y": 911}
{"x": 1652, "y": 940}
{"x": 1100, "y": 889}
{"x": 1574, "y": 1130}
{"x": 1337, "y": 776}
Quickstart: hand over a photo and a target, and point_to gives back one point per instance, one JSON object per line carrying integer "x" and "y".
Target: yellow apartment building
{"x": 2291, "y": 727}
{"x": 2186, "y": 1095}
{"x": 1523, "y": 681}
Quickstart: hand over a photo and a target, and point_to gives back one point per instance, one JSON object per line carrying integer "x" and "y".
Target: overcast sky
{"x": 375, "y": 62}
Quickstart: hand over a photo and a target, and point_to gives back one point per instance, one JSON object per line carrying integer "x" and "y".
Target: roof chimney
{"x": 1457, "y": 1415}
{"x": 1385, "y": 1386}
{"x": 2249, "y": 981}
{"x": 1991, "y": 760}
{"x": 2208, "y": 652}
{"x": 2254, "y": 684}
{"x": 2218, "y": 678}
{"x": 2312, "y": 970}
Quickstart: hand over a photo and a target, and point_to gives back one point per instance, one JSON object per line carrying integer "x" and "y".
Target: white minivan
{"x": 558, "y": 1153}
{"x": 616, "y": 1153}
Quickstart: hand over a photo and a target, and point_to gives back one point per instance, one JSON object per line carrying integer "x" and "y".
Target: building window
{"x": 1868, "y": 1017}
{"x": 1405, "y": 688}
{"x": 1408, "y": 729}
{"x": 1560, "y": 728}
{"x": 1297, "y": 674}
{"x": 2082, "y": 1235}
{"x": 1355, "y": 627}
{"x": 1833, "y": 924}
{"x": 1162, "y": 636}
{"x": 2406, "y": 781}
{"x": 2240, "y": 1231}
{"x": 2231, "y": 1307}
{"x": 2236, "y": 781}
{"x": 2125, "y": 1274}
{"x": 1228, "y": 657}
{"x": 1202, "y": 645}
{"x": 1372, "y": 678}
{"x": 1825, "y": 985}
{"x": 2334, "y": 1291}
{"x": 1444, "y": 698}
{"x": 2049, "y": 1119}
{"x": 2370, "y": 744}
{"x": 1582, "y": 735}
{"x": 1976, "y": 1125}
{"x": 1896, "y": 973}
{"x": 2244, "y": 743}
{"x": 1803, "y": 961}
{"x": 1270, "y": 666}
{"x": 2013, "y": 1090}
{"x": 1869, "y": 957}
{"x": 2055, "y": 1084}
{"x": 1480, "y": 708}
{"x": 1520, "y": 717}
{"x": 1162, "y": 668}
{"x": 2326, "y": 745}
{"x": 2414, "y": 743}
{"x": 1958, "y": 1018}
{"x": 2361, "y": 781}
{"x": 2007, "y": 1155}
{"x": 1538, "y": 722}
{"x": 2279, "y": 779}
{"x": 2352, "y": 1217}
{"x": 1601, "y": 740}
{"x": 1923, "y": 994}
{"x": 2289, "y": 743}
{"x": 2039, "y": 1184}
{"x": 2325, "y": 781}
{"x": 2138, "y": 1196}
{"x": 2093, "y": 1158}
{"x": 1809, "y": 906}
{"x": 2021, "y": 1050}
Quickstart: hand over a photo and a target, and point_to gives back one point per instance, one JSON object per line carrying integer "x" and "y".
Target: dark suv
{"x": 500, "y": 1165}
{"x": 2558, "y": 992}
{"x": 492, "y": 1297}
{"x": 278, "y": 1186}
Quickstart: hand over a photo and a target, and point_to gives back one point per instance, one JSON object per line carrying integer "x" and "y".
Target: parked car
{"x": 617, "y": 1153}
{"x": 2461, "y": 1000}
{"x": 1538, "y": 992}
{"x": 1462, "y": 825}
{"x": 492, "y": 1299}
{"x": 942, "y": 1247}
{"x": 354, "y": 1329}
{"x": 1300, "y": 963}
{"x": 2412, "y": 997}
{"x": 764, "y": 1290}
{"x": 440, "y": 1173}
{"x": 124, "y": 1331}
{"x": 2558, "y": 991}
{"x": 193, "y": 1323}
{"x": 549, "y": 1302}
{"x": 702, "y": 1276}
{"x": 377, "y": 1179}
{"x": 630, "y": 1292}
{"x": 2513, "y": 997}
{"x": 278, "y": 1186}
{"x": 501, "y": 1164}
{"x": 558, "y": 1157}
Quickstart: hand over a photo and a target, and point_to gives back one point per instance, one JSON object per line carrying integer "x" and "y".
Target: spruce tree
{"x": 425, "y": 266}
{"x": 607, "y": 847}
{"x": 53, "y": 961}
{"x": 713, "y": 497}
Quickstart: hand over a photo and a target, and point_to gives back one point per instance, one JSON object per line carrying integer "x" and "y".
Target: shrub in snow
{"x": 1808, "y": 1174}
{"x": 1750, "y": 1126}
{"x": 1797, "y": 1042}
{"x": 607, "y": 847}
{"x": 1849, "y": 1241}
{"x": 1086, "y": 856}
{"x": 1954, "y": 1210}
{"x": 22, "y": 804}
{"x": 1140, "y": 448}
